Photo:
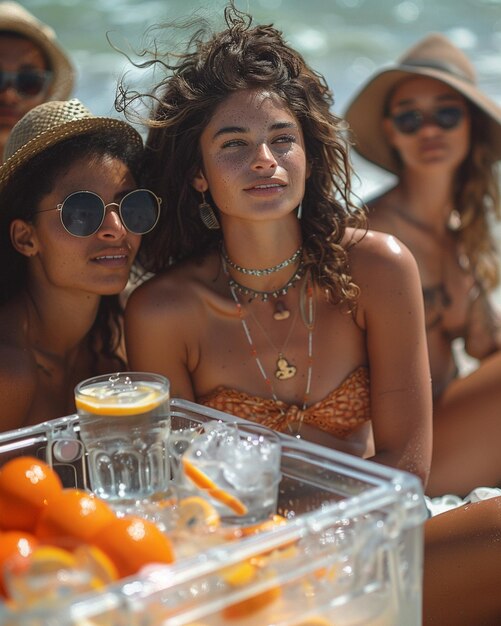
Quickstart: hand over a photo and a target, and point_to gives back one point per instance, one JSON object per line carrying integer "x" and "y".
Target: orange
{"x": 132, "y": 542}
{"x": 15, "y": 549}
{"x": 74, "y": 513}
{"x": 204, "y": 482}
{"x": 27, "y": 484}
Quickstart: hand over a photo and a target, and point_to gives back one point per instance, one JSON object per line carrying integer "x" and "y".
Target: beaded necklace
{"x": 310, "y": 326}
{"x": 264, "y": 272}
{"x": 265, "y": 295}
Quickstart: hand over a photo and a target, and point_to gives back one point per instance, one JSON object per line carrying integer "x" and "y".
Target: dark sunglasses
{"x": 27, "y": 83}
{"x": 446, "y": 118}
{"x": 83, "y": 212}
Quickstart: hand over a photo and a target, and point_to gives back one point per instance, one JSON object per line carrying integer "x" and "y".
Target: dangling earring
{"x": 300, "y": 211}
{"x": 207, "y": 214}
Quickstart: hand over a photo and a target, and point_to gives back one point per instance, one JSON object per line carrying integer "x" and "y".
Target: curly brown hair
{"x": 215, "y": 65}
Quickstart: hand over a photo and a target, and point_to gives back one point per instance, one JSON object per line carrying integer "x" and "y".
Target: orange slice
{"x": 260, "y": 527}
{"x": 141, "y": 399}
{"x": 314, "y": 621}
{"x": 94, "y": 560}
{"x": 239, "y": 574}
{"x": 196, "y": 512}
{"x": 204, "y": 482}
{"x": 252, "y": 605}
{"x": 46, "y": 559}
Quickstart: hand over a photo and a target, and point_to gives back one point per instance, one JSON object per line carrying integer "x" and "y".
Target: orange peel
{"x": 205, "y": 483}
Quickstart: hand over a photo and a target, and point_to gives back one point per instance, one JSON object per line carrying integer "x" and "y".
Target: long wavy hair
{"x": 477, "y": 199}
{"x": 20, "y": 198}
{"x": 194, "y": 83}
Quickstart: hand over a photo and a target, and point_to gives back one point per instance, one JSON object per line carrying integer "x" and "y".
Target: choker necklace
{"x": 265, "y": 295}
{"x": 294, "y": 428}
{"x": 266, "y": 271}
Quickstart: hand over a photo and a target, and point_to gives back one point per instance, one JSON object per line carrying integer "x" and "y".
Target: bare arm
{"x": 392, "y": 313}
{"x": 18, "y": 383}
{"x": 483, "y": 335}
{"x": 157, "y": 323}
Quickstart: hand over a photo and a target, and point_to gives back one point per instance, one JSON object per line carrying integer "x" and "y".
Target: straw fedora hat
{"x": 15, "y": 18}
{"x": 50, "y": 123}
{"x": 436, "y": 57}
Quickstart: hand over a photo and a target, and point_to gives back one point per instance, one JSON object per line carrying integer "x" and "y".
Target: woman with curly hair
{"x": 70, "y": 225}
{"x": 271, "y": 299}
{"x": 426, "y": 120}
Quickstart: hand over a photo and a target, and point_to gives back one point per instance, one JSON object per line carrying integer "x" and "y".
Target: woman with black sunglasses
{"x": 425, "y": 120}
{"x": 34, "y": 68}
{"x": 71, "y": 223}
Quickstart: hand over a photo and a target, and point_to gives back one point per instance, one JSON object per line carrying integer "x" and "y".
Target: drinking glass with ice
{"x": 237, "y": 468}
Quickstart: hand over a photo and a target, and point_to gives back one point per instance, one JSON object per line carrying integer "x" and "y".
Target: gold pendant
{"x": 284, "y": 370}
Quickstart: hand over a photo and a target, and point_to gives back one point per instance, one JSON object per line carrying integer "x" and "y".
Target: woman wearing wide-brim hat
{"x": 426, "y": 120}
{"x": 71, "y": 222}
{"x": 34, "y": 67}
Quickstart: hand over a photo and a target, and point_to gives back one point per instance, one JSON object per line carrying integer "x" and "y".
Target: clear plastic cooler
{"x": 350, "y": 554}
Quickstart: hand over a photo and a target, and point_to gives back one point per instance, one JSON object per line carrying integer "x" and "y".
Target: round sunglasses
{"x": 82, "y": 212}
{"x": 28, "y": 82}
{"x": 446, "y": 118}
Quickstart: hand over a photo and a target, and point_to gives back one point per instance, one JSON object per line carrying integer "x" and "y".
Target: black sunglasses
{"x": 83, "y": 212}
{"x": 28, "y": 83}
{"x": 446, "y": 118}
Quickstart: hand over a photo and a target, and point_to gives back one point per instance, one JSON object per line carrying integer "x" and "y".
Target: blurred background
{"x": 346, "y": 40}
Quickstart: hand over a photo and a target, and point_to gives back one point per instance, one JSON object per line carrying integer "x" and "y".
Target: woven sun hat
{"x": 435, "y": 57}
{"x": 50, "y": 123}
{"x": 15, "y": 18}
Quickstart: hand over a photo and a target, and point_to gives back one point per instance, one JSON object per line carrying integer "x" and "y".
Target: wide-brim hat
{"x": 50, "y": 123}
{"x": 15, "y": 18}
{"x": 435, "y": 57}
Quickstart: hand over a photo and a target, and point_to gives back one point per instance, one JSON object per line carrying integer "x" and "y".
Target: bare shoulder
{"x": 386, "y": 273}
{"x": 374, "y": 253}
{"x": 183, "y": 293}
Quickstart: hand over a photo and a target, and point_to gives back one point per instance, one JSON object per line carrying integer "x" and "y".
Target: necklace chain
{"x": 310, "y": 326}
{"x": 266, "y": 295}
{"x": 266, "y": 271}
{"x": 284, "y": 369}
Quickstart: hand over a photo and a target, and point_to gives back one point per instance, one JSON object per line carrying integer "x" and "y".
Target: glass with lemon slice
{"x": 124, "y": 423}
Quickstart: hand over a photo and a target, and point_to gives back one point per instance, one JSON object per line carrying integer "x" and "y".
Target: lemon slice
{"x": 101, "y": 400}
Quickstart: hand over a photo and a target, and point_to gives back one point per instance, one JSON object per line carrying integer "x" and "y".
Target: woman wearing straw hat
{"x": 425, "y": 120}
{"x": 34, "y": 68}
{"x": 70, "y": 225}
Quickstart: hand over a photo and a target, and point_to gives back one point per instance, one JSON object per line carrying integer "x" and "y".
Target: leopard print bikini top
{"x": 341, "y": 412}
